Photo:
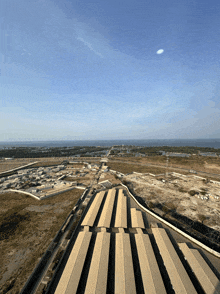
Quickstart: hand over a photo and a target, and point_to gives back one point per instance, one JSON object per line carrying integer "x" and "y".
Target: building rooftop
{"x": 118, "y": 248}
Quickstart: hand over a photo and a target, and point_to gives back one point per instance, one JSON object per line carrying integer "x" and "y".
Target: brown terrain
{"x": 27, "y": 226}
{"x": 199, "y": 163}
{"x": 157, "y": 164}
{"x": 6, "y": 165}
{"x": 129, "y": 167}
{"x": 182, "y": 195}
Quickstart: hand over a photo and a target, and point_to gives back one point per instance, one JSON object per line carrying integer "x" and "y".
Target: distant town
{"x": 122, "y": 151}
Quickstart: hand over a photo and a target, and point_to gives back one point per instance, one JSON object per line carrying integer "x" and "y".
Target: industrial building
{"x": 118, "y": 248}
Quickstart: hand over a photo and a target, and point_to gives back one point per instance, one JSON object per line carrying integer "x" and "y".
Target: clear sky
{"x": 116, "y": 69}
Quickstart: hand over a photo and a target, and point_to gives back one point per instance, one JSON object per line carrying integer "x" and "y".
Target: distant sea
{"x": 213, "y": 143}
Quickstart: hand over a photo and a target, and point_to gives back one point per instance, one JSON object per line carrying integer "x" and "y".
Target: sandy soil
{"x": 174, "y": 194}
{"x": 126, "y": 167}
{"x": 199, "y": 163}
{"x": 6, "y": 165}
{"x": 108, "y": 176}
{"x": 213, "y": 166}
{"x": 27, "y": 226}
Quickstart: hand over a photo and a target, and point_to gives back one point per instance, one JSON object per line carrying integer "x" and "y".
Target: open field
{"x": 126, "y": 168}
{"x": 181, "y": 195}
{"x": 27, "y": 226}
{"x": 47, "y": 162}
{"x": 6, "y": 165}
{"x": 197, "y": 163}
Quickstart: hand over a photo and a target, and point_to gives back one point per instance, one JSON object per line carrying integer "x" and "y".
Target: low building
{"x": 211, "y": 154}
{"x": 106, "y": 184}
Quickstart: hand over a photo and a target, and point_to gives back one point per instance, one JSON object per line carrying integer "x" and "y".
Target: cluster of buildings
{"x": 43, "y": 181}
{"x": 35, "y": 180}
{"x": 211, "y": 154}
{"x": 175, "y": 154}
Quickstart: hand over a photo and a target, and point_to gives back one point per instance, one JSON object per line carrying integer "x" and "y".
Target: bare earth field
{"x": 126, "y": 168}
{"x": 198, "y": 163}
{"x": 109, "y": 177}
{"x": 195, "y": 162}
{"x": 47, "y": 161}
{"x": 27, "y": 226}
{"x": 213, "y": 167}
{"x": 174, "y": 194}
{"x": 6, "y": 165}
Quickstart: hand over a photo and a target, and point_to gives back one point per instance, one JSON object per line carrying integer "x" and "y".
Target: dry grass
{"x": 126, "y": 168}
{"x": 199, "y": 163}
{"x": 181, "y": 194}
{"x": 71, "y": 179}
{"x": 6, "y": 165}
{"x": 27, "y": 227}
{"x": 132, "y": 159}
{"x": 47, "y": 163}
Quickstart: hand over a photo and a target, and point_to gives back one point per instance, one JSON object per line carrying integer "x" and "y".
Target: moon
{"x": 160, "y": 51}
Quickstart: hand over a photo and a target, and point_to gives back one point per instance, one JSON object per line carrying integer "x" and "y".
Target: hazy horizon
{"x": 150, "y": 139}
{"x": 110, "y": 70}
{"x": 208, "y": 143}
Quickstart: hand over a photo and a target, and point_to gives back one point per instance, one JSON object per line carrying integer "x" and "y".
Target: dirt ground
{"x": 126, "y": 168}
{"x": 195, "y": 162}
{"x": 175, "y": 194}
{"x": 199, "y": 163}
{"x": 212, "y": 167}
{"x": 74, "y": 165}
{"x": 6, "y": 165}
{"x": 27, "y": 226}
{"x": 47, "y": 162}
{"x": 109, "y": 177}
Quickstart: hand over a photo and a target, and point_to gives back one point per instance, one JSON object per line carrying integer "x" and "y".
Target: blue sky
{"x": 89, "y": 69}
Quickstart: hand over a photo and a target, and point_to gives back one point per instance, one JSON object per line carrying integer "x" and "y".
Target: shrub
{"x": 165, "y": 209}
{"x": 201, "y": 217}
{"x": 116, "y": 177}
{"x": 182, "y": 190}
{"x": 206, "y": 181}
{"x": 193, "y": 192}
{"x": 150, "y": 204}
{"x": 171, "y": 206}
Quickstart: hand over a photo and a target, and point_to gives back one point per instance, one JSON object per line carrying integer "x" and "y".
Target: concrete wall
{"x": 23, "y": 192}
{"x": 44, "y": 197}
